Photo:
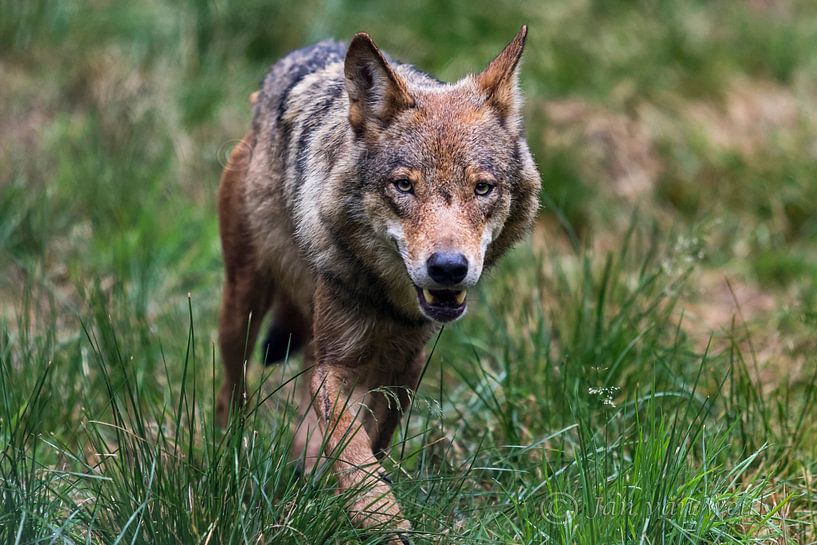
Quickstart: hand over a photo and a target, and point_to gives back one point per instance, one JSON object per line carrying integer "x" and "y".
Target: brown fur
{"x": 314, "y": 225}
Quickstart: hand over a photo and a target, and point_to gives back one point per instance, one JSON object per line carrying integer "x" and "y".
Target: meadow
{"x": 642, "y": 369}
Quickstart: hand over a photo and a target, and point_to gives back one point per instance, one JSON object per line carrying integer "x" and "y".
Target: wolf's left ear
{"x": 376, "y": 92}
{"x": 499, "y": 80}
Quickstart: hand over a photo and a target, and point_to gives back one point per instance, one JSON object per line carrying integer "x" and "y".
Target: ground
{"x": 641, "y": 369}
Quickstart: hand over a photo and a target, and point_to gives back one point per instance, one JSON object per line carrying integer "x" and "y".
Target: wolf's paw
{"x": 379, "y": 509}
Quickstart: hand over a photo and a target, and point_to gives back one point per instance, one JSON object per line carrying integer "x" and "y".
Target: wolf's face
{"x": 441, "y": 168}
{"x": 441, "y": 196}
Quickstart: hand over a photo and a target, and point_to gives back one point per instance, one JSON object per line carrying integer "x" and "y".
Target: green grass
{"x": 641, "y": 370}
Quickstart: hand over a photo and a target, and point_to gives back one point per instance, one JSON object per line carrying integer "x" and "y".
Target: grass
{"x": 640, "y": 370}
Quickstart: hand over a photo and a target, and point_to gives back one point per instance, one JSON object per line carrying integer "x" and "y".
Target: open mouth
{"x": 442, "y": 305}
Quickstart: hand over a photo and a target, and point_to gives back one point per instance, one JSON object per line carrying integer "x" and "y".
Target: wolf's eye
{"x": 483, "y": 188}
{"x": 404, "y": 185}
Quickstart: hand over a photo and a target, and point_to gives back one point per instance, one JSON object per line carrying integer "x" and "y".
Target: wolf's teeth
{"x": 460, "y": 297}
{"x": 430, "y": 299}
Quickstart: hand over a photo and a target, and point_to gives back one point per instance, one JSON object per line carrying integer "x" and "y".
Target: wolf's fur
{"x": 317, "y": 224}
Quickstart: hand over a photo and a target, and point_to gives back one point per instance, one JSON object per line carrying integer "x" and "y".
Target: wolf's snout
{"x": 447, "y": 268}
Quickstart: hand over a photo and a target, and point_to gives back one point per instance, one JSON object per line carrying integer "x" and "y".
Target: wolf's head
{"x": 449, "y": 183}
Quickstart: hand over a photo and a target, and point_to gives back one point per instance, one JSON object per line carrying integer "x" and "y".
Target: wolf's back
{"x": 277, "y": 98}
{"x": 299, "y": 121}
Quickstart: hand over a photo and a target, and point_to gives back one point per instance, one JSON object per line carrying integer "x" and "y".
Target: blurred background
{"x": 116, "y": 117}
{"x": 676, "y": 141}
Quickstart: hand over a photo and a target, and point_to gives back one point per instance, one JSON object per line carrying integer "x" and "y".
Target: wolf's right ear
{"x": 376, "y": 91}
{"x": 499, "y": 80}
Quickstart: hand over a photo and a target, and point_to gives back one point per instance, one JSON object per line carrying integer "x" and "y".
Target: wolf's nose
{"x": 447, "y": 268}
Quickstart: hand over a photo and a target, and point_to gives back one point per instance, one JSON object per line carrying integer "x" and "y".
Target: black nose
{"x": 447, "y": 268}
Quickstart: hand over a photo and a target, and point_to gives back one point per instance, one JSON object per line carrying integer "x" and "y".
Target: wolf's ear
{"x": 499, "y": 80}
{"x": 376, "y": 91}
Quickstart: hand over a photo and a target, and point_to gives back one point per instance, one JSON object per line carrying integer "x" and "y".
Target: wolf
{"x": 365, "y": 200}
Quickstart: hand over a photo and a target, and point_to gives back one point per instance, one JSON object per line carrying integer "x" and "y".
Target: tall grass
{"x": 601, "y": 426}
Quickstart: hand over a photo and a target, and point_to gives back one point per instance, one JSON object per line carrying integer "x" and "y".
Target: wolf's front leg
{"x": 393, "y": 406}
{"x": 350, "y": 447}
